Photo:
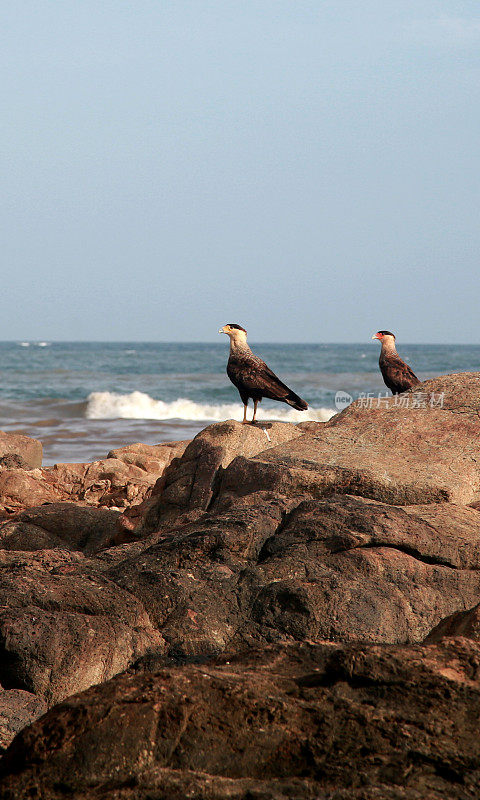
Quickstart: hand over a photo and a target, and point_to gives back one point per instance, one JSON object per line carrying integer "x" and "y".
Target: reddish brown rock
{"x": 17, "y": 709}
{"x": 266, "y": 569}
{"x": 64, "y": 626}
{"x": 308, "y": 721}
{"x": 461, "y": 623}
{"x": 190, "y": 482}
{"x": 152, "y": 458}
{"x": 20, "y": 451}
{"x": 20, "y": 488}
{"x": 394, "y": 454}
{"x": 112, "y": 483}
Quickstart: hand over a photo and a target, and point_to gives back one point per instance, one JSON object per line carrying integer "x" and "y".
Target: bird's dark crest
{"x": 387, "y": 333}
{"x": 234, "y": 325}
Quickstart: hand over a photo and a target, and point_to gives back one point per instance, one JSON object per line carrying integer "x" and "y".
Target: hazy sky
{"x": 307, "y": 168}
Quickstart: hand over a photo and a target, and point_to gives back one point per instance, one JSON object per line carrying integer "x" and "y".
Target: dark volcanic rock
{"x": 20, "y": 451}
{"x": 343, "y": 568}
{"x": 63, "y": 626}
{"x": 308, "y": 721}
{"x": 394, "y": 454}
{"x": 189, "y": 579}
{"x": 63, "y": 525}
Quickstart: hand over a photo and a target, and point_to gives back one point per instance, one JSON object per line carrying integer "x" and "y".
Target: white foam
{"x": 137, "y": 405}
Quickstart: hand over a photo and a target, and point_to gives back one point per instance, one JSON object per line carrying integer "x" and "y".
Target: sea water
{"x": 82, "y": 399}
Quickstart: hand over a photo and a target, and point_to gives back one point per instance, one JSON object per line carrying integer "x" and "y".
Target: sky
{"x": 308, "y": 169}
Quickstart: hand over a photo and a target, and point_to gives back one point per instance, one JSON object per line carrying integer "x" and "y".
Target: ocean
{"x": 81, "y": 399}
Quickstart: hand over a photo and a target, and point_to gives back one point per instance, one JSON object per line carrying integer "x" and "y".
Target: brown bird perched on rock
{"x": 396, "y": 374}
{"x": 251, "y": 375}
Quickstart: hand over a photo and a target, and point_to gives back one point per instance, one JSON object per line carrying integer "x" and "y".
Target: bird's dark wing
{"x": 254, "y": 376}
{"x": 397, "y": 375}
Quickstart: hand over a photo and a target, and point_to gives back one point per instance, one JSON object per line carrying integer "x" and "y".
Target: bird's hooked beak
{"x": 222, "y": 330}
{"x": 376, "y": 336}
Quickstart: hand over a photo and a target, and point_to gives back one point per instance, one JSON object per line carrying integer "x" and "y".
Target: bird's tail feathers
{"x": 296, "y": 402}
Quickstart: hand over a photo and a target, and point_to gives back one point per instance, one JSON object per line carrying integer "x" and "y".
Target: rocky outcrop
{"x": 270, "y": 569}
{"x": 17, "y": 710}
{"x": 125, "y": 478}
{"x": 153, "y": 458}
{"x": 190, "y": 483}
{"x": 268, "y": 590}
{"x": 307, "y": 721}
{"x": 399, "y": 454}
{"x": 20, "y": 451}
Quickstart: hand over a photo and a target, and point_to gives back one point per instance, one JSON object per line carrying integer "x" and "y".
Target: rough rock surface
{"x": 394, "y": 454}
{"x": 17, "y": 709}
{"x": 18, "y": 450}
{"x": 462, "y": 623}
{"x": 308, "y": 721}
{"x": 126, "y": 477}
{"x": 152, "y": 458}
{"x": 191, "y": 482}
{"x": 64, "y": 525}
{"x": 364, "y": 531}
{"x": 267, "y": 569}
{"x": 64, "y": 626}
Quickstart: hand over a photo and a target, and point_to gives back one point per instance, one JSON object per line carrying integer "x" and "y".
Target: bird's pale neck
{"x": 238, "y": 341}
{"x": 388, "y": 345}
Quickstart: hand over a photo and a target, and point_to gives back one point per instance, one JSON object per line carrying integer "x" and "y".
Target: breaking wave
{"x": 137, "y": 405}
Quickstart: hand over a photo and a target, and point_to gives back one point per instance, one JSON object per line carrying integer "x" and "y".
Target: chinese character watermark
{"x": 414, "y": 400}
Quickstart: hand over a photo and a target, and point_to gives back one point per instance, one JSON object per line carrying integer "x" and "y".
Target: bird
{"x": 397, "y": 375}
{"x": 251, "y": 375}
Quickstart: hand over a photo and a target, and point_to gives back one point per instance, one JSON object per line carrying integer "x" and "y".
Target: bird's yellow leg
{"x": 244, "y": 421}
{"x": 255, "y": 403}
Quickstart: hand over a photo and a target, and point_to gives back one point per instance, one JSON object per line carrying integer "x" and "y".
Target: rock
{"x": 190, "y": 482}
{"x": 268, "y": 569}
{"x": 348, "y": 569}
{"x": 305, "y": 721}
{"x": 20, "y": 451}
{"x": 461, "y": 623}
{"x": 112, "y": 483}
{"x": 188, "y": 579}
{"x": 152, "y": 458}
{"x": 63, "y": 525}
{"x": 394, "y": 454}
{"x": 17, "y": 709}
{"x": 64, "y": 626}
{"x": 20, "y": 489}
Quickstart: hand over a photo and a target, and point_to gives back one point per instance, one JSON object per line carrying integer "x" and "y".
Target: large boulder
{"x": 191, "y": 481}
{"x": 64, "y": 626}
{"x": 20, "y": 451}
{"x": 419, "y": 447}
{"x": 308, "y": 721}
{"x": 269, "y": 569}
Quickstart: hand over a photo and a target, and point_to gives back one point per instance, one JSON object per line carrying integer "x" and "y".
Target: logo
{"x": 342, "y": 400}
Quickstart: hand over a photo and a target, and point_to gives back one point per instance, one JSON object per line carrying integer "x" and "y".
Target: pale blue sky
{"x": 309, "y": 169}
